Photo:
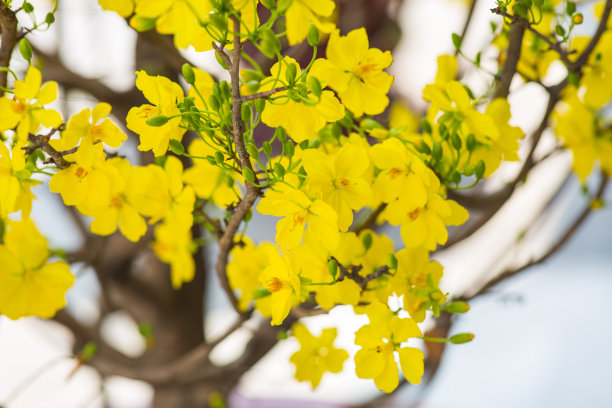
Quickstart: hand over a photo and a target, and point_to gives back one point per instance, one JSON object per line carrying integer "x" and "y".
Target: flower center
{"x": 300, "y": 218}
{"x": 80, "y": 172}
{"x": 20, "y": 106}
{"x": 275, "y": 284}
{"x": 116, "y": 202}
{"x": 395, "y": 173}
{"x": 413, "y": 215}
{"x": 342, "y": 183}
{"x": 364, "y": 70}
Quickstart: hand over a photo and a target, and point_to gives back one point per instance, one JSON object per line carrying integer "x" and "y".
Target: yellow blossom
{"x": 355, "y": 72}
{"x": 281, "y": 278}
{"x": 302, "y": 13}
{"x": 173, "y": 245}
{"x": 317, "y": 354}
{"x": 29, "y": 285}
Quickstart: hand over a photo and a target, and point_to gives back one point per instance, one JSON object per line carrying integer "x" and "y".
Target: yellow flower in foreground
{"x": 28, "y": 284}
{"x": 339, "y": 179}
{"x": 379, "y": 340}
{"x": 355, "y": 72}
{"x": 15, "y": 182}
{"x": 26, "y": 109}
{"x": 281, "y": 278}
{"x": 122, "y": 7}
{"x": 164, "y": 95}
{"x": 317, "y": 355}
{"x": 303, "y": 218}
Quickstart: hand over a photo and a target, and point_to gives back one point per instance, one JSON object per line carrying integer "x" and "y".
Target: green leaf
{"x": 248, "y": 175}
{"x": 366, "y": 240}
{"x": 461, "y": 338}
{"x": 456, "y": 307}
{"x": 570, "y": 8}
{"x": 457, "y": 40}
{"x": 279, "y": 169}
{"x": 260, "y": 293}
{"x": 25, "y": 48}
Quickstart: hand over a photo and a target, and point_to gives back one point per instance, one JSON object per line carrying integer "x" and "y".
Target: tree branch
{"x": 8, "y": 30}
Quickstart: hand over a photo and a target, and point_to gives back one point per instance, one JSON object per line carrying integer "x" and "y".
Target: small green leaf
{"x": 248, "y": 175}
{"x": 267, "y": 148}
{"x": 570, "y": 8}
{"x": 457, "y": 40}
{"x": 366, "y": 240}
{"x": 391, "y": 261}
{"x": 25, "y": 48}
{"x": 559, "y": 30}
{"x": 462, "y": 338}
{"x": 279, "y": 169}
{"x": 219, "y": 158}
{"x": 332, "y": 268}
{"x": 456, "y": 307}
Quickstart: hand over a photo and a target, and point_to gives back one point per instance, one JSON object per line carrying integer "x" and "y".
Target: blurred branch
{"x": 8, "y": 33}
{"x": 513, "y": 55}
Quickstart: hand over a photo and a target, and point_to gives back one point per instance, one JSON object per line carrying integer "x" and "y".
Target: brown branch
{"x": 262, "y": 95}
{"x": 467, "y": 22}
{"x": 513, "y": 55}
{"x": 252, "y": 192}
{"x": 563, "y": 240}
{"x": 8, "y": 31}
{"x": 352, "y": 272}
{"x": 42, "y": 142}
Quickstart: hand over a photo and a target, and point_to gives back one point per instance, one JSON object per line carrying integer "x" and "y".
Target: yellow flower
{"x": 122, "y": 7}
{"x": 26, "y": 110}
{"x": 164, "y": 94}
{"x": 28, "y": 284}
{"x": 303, "y": 218}
{"x": 246, "y": 263}
{"x": 173, "y": 245}
{"x": 89, "y": 125}
{"x": 301, "y": 121}
{"x": 15, "y": 182}
{"x": 355, "y": 72}
{"x": 281, "y": 278}
{"x": 379, "y": 340}
{"x": 339, "y": 180}
{"x": 417, "y": 280}
{"x": 120, "y": 208}
{"x": 88, "y": 181}
{"x": 181, "y": 18}
{"x": 302, "y": 13}
{"x": 317, "y": 354}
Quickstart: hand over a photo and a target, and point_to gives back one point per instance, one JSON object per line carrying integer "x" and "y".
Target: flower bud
{"x": 157, "y": 121}
{"x": 188, "y": 74}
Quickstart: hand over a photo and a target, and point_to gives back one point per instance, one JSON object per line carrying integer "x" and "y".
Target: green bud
{"x": 251, "y": 75}
{"x": 470, "y": 142}
{"x": 49, "y": 18}
{"x": 248, "y": 175}
{"x": 391, "y": 261}
{"x": 480, "y": 169}
{"x": 468, "y": 169}
{"x": 267, "y": 148}
{"x": 252, "y": 86}
{"x": 313, "y": 36}
{"x": 332, "y": 267}
{"x": 456, "y": 307}
{"x": 289, "y": 148}
{"x": 188, "y": 73}
{"x": 280, "y": 134}
{"x": 426, "y": 126}
{"x": 157, "y": 121}
{"x": 570, "y": 8}
{"x": 214, "y": 103}
{"x": 252, "y": 151}
{"x": 211, "y": 160}
{"x": 291, "y": 73}
{"x": 423, "y": 147}
{"x": 245, "y": 112}
{"x": 226, "y": 91}
{"x": 455, "y": 177}
{"x": 25, "y": 48}
{"x": 304, "y": 144}
{"x": 218, "y": 20}
{"x": 315, "y": 86}
{"x": 176, "y": 147}
{"x": 366, "y": 240}
{"x": 281, "y": 335}
{"x": 28, "y": 7}
{"x": 336, "y": 130}
{"x": 314, "y": 143}
{"x": 260, "y": 105}
{"x": 369, "y": 124}
{"x": 461, "y": 338}
{"x": 260, "y": 293}
{"x": 456, "y": 141}
{"x": 577, "y": 18}
{"x": 269, "y": 4}
{"x": 478, "y": 58}
{"x": 219, "y": 158}
{"x": 220, "y": 61}
{"x": 437, "y": 151}
{"x": 279, "y": 169}
{"x": 270, "y": 44}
